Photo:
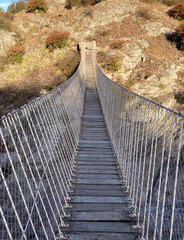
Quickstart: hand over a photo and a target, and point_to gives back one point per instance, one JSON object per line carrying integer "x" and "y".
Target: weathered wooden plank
{"x": 95, "y": 142}
{"x": 103, "y": 171}
{"x": 109, "y": 216}
{"x": 99, "y": 207}
{"x": 96, "y": 146}
{"x": 97, "y": 199}
{"x": 97, "y": 157}
{"x": 102, "y": 236}
{"x": 97, "y": 152}
{"x": 98, "y": 187}
{"x": 98, "y": 176}
{"x": 96, "y": 163}
{"x": 97, "y": 167}
{"x": 115, "y": 227}
{"x": 93, "y": 160}
{"x": 98, "y": 192}
{"x": 99, "y": 181}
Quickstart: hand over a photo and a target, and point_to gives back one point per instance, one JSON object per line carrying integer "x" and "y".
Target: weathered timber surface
{"x": 99, "y": 201}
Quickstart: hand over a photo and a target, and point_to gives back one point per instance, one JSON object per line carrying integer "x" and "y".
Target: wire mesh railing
{"x": 149, "y": 146}
{"x": 38, "y": 143}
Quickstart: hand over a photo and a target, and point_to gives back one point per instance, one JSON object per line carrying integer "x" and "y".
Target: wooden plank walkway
{"x": 99, "y": 206}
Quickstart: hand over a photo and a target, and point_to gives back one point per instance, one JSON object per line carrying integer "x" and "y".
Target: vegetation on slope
{"x": 36, "y": 5}
{"x": 16, "y": 7}
{"x": 57, "y": 39}
{"x": 49, "y": 59}
{"x": 166, "y": 2}
{"x": 80, "y": 3}
{"x": 177, "y": 12}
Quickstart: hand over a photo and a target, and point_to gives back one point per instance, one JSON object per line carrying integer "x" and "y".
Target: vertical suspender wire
{"x": 51, "y": 154}
{"x": 130, "y": 139}
{"x": 143, "y": 169}
{"x": 56, "y": 140}
{"x": 136, "y": 168}
{"x": 5, "y": 222}
{"x": 6, "y": 186}
{"x": 161, "y": 172}
{"x": 59, "y": 153}
{"x": 176, "y": 178}
{"x": 65, "y": 137}
{"x": 44, "y": 167}
{"x": 32, "y": 175}
{"x": 140, "y": 160}
{"x": 152, "y": 177}
{"x": 23, "y": 168}
{"x": 52, "y": 119}
{"x": 166, "y": 181}
{"x": 149, "y": 171}
{"x": 134, "y": 160}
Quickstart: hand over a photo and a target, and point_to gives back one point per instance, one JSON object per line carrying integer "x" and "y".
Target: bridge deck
{"x": 100, "y": 209}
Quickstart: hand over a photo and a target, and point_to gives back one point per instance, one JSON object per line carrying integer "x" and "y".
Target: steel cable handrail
{"x": 38, "y": 145}
{"x": 149, "y": 146}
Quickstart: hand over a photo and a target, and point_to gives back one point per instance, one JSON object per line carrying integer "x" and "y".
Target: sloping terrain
{"x": 132, "y": 49}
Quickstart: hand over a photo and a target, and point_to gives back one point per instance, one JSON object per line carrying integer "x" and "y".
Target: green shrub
{"x": 17, "y": 7}
{"x": 177, "y": 12}
{"x": 15, "y": 54}
{"x": 36, "y": 5}
{"x": 113, "y": 64}
{"x": 1, "y": 10}
{"x": 5, "y": 24}
{"x": 81, "y": 3}
{"x": 57, "y": 39}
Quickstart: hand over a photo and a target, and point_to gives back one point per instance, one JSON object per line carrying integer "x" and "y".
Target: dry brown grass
{"x": 162, "y": 50}
{"x": 17, "y": 92}
{"x": 144, "y": 13}
{"x": 165, "y": 2}
{"x": 101, "y": 37}
{"x": 127, "y": 28}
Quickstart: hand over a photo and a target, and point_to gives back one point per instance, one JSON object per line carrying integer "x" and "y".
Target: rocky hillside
{"x": 133, "y": 49}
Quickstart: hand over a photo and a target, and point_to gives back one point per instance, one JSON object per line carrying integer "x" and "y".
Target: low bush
{"x": 5, "y": 24}
{"x": 118, "y": 44}
{"x": 57, "y": 39}
{"x": 15, "y": 54}
{"x": 81, "y": 3}
{"x": 17, "y": 7}
{"x": 179, "y": 37}
{"x": 8, "y": 16}
{"x": 180, "y": 97}
{"x": 1, "y": 10}
{"x": 177, "y": 12}
{"x": 113, "y": 64}
{"x": 36, "y": 5}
